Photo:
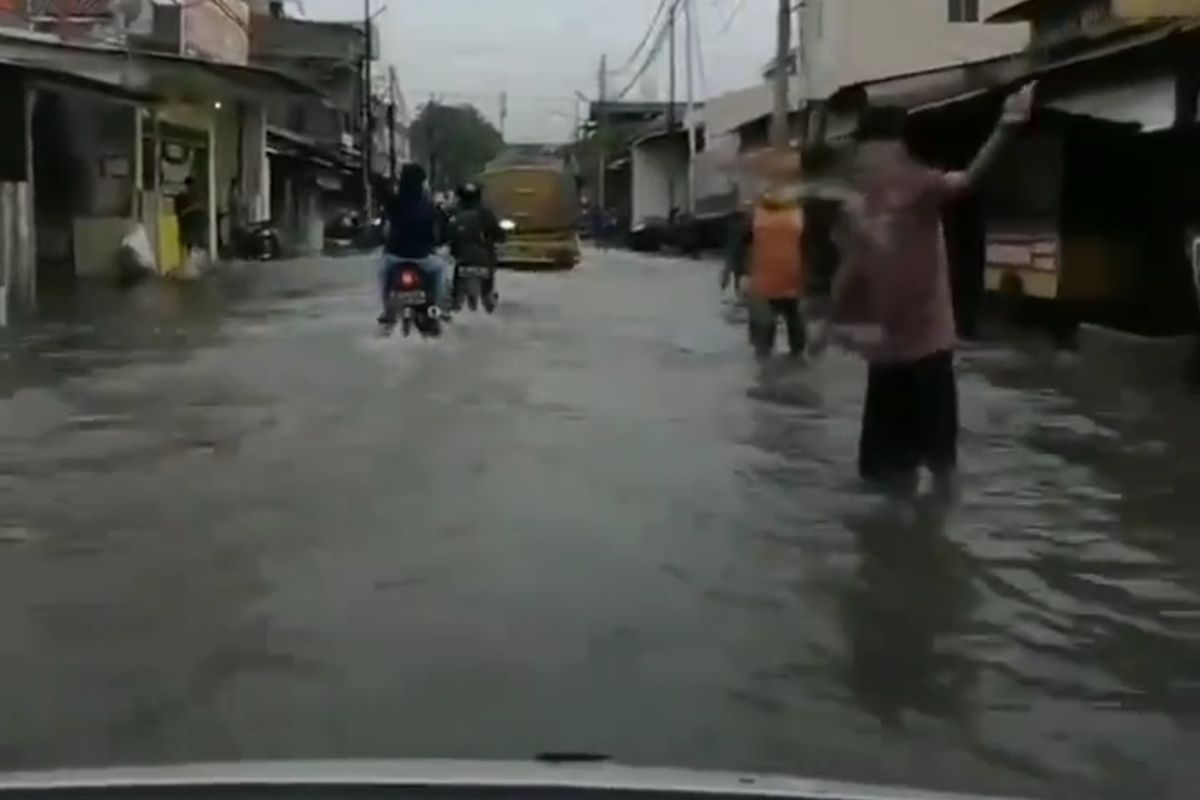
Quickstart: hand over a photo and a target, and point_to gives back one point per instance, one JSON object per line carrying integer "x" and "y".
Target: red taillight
{"x": 408, "y": 279}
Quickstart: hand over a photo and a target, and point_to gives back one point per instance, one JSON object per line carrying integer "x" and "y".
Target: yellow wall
{"x": 1141, "y": 9}
{"x": 170, "y": 251}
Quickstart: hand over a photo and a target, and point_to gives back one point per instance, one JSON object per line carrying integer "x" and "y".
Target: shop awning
{"x": 60, "y": 78}
{"x": 167, "y": 74}
{"x": 1096, "y": 97}
{"x": 282, "y": 142}
{"x": 148, "y": 75}
{"x": 937, "y": 86}
{"x": 1148, "y": 103}
{"x": 679, "y": 132}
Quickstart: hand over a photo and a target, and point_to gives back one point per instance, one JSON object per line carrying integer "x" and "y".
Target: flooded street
{"x": 237, "y": 524}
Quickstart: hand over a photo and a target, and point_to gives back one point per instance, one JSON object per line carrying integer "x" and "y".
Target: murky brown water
{"x": 235, "y": 524}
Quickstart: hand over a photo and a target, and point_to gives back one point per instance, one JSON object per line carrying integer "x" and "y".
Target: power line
{"x": 490, "y": 96}
{"x": 664, "y": 33}
{"x": 737, "y": 10}
{"x": 645, "y": 39}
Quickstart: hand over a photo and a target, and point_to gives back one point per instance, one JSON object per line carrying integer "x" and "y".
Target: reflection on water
{"x": 1048, "y": 619}
{"x": 907, "y": 615}
{"x": 630, "y": 538}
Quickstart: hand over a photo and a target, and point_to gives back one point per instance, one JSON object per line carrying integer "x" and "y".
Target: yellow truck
{"x": 538, "y": 205}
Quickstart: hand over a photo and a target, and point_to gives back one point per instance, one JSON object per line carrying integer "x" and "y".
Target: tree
{"x": 454, "y": 142}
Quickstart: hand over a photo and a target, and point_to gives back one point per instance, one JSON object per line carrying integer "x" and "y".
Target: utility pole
{"x": 813, "y": 115}
{"x": 431, "y": 133}
{"x": 391, "y": 122}
{"x": 783, "y": 46}
{"x": 671, "y": 107}
{"x": 503, "y": 115}
{"x": 601, "y": 146}
{"x": 690, "y": 48}
{"x": 671, "y": 67}
{"x": 368, "y": 112}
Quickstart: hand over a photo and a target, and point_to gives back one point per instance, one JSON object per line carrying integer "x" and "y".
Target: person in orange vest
{"x": 771, "y": 248}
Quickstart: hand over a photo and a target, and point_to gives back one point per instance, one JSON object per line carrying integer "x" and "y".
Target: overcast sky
{"x": 542, "y": 51}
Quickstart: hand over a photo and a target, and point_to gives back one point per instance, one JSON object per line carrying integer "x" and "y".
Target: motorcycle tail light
{"x": 408, "y": 280}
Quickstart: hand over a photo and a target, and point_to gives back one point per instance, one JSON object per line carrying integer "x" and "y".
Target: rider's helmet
{"x": 469, "y": 194}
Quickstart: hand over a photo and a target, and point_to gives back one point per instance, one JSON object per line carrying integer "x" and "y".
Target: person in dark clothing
{"x": 192, "y": 216}
{"x": 1191, "y": 372}
{"x": 413, "y": 234}
{"x": 598, "y": 221}
{"x": 737, "y": 245}
{"x": 473, "y": 233}
{"x": 895, "y": 274}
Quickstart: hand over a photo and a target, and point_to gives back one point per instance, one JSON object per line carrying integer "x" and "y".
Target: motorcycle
{"x": 256, "y": 241}
{"x": 410, "y": 303}
{"x": 469, "y": 282}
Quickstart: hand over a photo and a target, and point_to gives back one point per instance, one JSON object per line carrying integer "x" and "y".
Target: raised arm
{"x": 1018, "y": 107}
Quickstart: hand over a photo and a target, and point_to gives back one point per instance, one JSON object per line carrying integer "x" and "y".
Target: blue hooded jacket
{"x": 411, "y": 216}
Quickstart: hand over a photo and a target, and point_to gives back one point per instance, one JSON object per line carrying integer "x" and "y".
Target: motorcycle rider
{"x": 473, "y": 234}
{"x": 412, "y": 235}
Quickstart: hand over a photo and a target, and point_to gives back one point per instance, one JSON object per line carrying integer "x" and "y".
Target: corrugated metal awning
{"x": 52, "y": 77}
{"x": 1123, "y": 44}
{"x": 1148, "y": 103}
{"x": 149, "y": 74}
{"x": 920, "y": 89}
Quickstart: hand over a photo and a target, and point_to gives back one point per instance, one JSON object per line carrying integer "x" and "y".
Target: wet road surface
{"x": 236, "y": 524}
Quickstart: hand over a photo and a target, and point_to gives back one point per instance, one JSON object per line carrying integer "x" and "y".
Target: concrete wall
{"x": 852, "y": 41}
{"x": 727, "y": 112}
{"x": 308, "y": 39}
{"x": 101, "y": 137}
{"x": 97, "y": 138}
{"x": 298, "y": 207}
{"x": 655, "y": 162}
{"x": 241, "y": 152}
{"x": 17, "y": 286}
{"x": 324, "y": 55}
{"x": 717, "y": 189}
{"x": 228, "y": 145}
{"x": 256, "y": 167}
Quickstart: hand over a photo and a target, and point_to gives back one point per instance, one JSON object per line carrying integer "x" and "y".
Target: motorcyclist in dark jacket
{"x": 413, "y": 233}
{"x": 474, "y": 231}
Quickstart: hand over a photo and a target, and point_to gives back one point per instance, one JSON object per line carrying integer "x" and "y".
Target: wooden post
{"x": 601, "y": 148}
{"x": 211, "y": 179}
{"x": 690, "y": 48}
{"x": 139, "y": 168}
{"x": 671, "y": 121}
{"x": 156, "y": 202}
{"x": 368, "y": 113}
{"x": 25, "y": 279}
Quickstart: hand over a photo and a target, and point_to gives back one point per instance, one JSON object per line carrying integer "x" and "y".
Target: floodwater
{"x": 237, "y": 524}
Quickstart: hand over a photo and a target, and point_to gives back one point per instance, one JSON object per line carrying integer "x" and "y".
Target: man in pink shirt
{"x": 895, "y": 276}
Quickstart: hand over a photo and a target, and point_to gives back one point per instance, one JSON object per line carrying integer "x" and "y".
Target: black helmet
{"x": 469, "y": 193}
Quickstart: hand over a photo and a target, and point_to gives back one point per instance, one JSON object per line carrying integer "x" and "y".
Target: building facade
{"x": 114, "y": 123}
{"x": 847, "y": 42}
{"x": 1093, "y": 215}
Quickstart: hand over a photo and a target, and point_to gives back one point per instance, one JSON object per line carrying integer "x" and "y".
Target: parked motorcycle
{"x": 256, "y": 241}
{"x": 410, "y": 303}
{"x": 475, "y": 285}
